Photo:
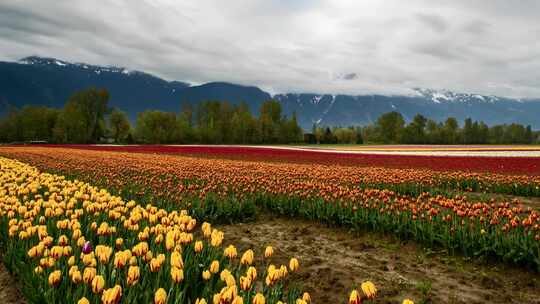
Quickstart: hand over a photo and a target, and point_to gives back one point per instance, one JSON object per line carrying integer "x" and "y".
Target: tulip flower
{"x": 83, "y": 300}
{"x": 112, "y": 295}
{"x": 268, "y": 252}
{"x": 133, "y": 275}
{"x": 206, "y": 275}
{"x": 230, "y": 252}
{"x": 198, "y": 247}
{"x": 97, "y": 284}
{"x": 214, "y": 266}
{"x": 369, "y": 289}
{"x": 177, "y": 274}
{"x": 160, "y": 297}
{"x": 247, "y": 257}
{"x": 55, "y": 277}
{"x": 87, "y": 247}
{"x": 306, "y": 297}
{"x": 354, "y": 298}
{"x": 259, "y": 299}
{"x": 294, "y": 265}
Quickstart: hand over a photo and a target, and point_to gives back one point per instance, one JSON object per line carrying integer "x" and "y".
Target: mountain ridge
{"x": 50, "y": 81}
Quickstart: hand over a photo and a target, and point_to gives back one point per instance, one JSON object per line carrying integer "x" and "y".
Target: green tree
{"x": 119, "y": 125}
{"x": 389, "y": 127}
{"x": 269, "y": 121}
{"x": 156, "y": 127}
{"x": 450, "y": 131}
{"x": 83, "y": 117}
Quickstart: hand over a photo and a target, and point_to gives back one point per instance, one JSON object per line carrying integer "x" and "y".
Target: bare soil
{"x": 333, "y": 261}
{"x": 9, "y": 294}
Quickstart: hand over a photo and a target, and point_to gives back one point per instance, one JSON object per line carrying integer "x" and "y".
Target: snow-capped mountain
{"x": 49, "y": 81}
{"x": 439, "y": 96}
{"x": 44, "y": 61}
{"x": 345, "y": 110}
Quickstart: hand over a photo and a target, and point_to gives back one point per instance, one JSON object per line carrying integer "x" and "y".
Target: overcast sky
{"x": 354, "y": 47}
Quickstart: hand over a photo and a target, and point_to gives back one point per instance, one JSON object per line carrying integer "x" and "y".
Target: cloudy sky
{"x": 354, "y": 46}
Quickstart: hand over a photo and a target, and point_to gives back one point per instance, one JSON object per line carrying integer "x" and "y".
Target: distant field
{"x": 435, "y": 150}
{"x": 428, "y": 147}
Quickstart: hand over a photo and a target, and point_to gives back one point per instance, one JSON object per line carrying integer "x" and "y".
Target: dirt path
{"x": 9, "y": 294}
{"x": 333, "y": 260}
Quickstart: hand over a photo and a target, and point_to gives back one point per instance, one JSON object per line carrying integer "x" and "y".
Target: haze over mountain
{"x": 49, "y": 82}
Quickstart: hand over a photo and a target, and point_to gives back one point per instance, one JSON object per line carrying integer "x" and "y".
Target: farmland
{"x": 443, "y": 229}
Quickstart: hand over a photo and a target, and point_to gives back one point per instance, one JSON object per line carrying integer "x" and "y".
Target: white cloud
{"x": 485, "y": 46}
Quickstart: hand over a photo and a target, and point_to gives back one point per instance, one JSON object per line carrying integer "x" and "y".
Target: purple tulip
{"x": 86, "y": 248}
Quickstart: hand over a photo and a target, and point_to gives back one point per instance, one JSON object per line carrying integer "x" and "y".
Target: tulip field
{"x": 150, "y": 224}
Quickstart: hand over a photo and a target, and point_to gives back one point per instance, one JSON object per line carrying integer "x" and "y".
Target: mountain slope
{"x": 49, "y": 82}
{"x": 223, "y": 91}
{"x": 345, "y": 110}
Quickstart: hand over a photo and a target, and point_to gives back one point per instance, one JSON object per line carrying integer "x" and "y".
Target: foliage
{"x": 119, "y": 125}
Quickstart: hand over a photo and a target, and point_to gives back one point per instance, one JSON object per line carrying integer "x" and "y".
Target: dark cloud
{"x": 487, "y": 46}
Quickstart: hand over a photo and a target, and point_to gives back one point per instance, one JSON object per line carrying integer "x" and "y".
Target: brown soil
{"x": 9, "y": 294}
{"x": 332, "y": 261}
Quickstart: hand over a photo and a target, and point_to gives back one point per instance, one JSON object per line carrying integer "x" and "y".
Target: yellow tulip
{"x": 119, "y": 242}
{"x": 160, "y": 297}
{"x": 216, "y": 238}
{"x": 294, "y": 265}
{"x": 112, "y": 295}
{"x": 206, "y": 275}
{"x": 268, "y": 252}
{"x": 103, "y": 253}
{"x": 83, "y": 300}
{"x": 354, "y": 298}
{"x": 306, "y": 297}
{"x": 76, "y": 277}
{"x": 176, "y": 260}
{"x": 252, "y": 273}
{"x": 71, "y": 261}
{"x": 55, "y": 277}
{"x": 38, "y": 270}
{"x": 177, "y": 274}
{"x": 133, "y": 275}
{"x": 238, "y": 300}
{"x": 230, "y": 252}
{"x": 88, "y": 274}
{"x": 369, "y": 289}
{"x": 245, "y": 283}
{"x": 407, "y": 301}
{"x": 198, "y": 247}
{"x": 259, "y": 299}
{"x": 247, "y": 257}
{"x": 155, "y": 264}
{"x": 214, "y": 266}
{"x": 97, "y": 284}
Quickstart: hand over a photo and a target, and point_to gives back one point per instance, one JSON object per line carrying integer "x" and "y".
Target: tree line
{"x": 87, "y": 118}
{"x": 391, "y": 128}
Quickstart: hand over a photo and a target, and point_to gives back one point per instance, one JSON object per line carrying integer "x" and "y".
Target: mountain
{"x": 233, "y": 93}
{"x": 348, "y": 110}
{"x": 50, "y": 82}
